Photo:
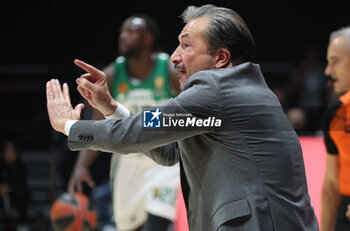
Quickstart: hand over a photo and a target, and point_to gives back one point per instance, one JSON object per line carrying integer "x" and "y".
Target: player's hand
{"x": 79, "y": 176}
{"x": 59, "y": 106}
{"x": 93, "y": 87}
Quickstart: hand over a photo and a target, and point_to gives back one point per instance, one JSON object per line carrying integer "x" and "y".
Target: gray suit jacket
{"x": 247, "y": 175}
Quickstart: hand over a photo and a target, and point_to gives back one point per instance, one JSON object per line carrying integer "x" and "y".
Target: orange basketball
{"x": 72, "y": 212}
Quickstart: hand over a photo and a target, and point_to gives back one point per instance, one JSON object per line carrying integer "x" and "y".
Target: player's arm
{"x": 81, "y": 172}
{"x": 330, "y": 193}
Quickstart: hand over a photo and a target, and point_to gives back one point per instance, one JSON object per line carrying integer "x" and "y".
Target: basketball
{"x": 72, "y": 212}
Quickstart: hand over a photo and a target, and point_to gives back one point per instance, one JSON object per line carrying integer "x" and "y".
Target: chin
{"x": 181, "y": 87}
{"x": 182, "y": 80}
{"x": 340, "y": 90}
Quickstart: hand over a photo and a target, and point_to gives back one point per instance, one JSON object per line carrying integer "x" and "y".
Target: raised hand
{"x": 59, "y": 105}
{"x": 93, "y": 87}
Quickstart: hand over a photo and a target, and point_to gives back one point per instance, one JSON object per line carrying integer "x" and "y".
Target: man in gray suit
{"x": 245, "y": 170}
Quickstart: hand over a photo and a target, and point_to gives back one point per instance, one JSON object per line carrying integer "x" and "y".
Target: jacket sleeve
{"x": 167, "y": 155}
{"x": 200, "y": 99}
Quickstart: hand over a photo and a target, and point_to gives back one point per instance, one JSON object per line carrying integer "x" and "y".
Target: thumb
{"x": 79, "y": 108}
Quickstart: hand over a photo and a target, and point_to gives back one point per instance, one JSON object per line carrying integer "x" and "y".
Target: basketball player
{"x": 144, "y": 193}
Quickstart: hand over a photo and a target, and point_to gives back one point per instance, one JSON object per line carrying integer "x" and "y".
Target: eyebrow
{"x": 184, "y": 35}
{"x": 332, "y": 58}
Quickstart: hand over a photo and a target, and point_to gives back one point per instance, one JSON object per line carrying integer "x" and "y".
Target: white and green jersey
{"x": 133, "y": 93}
{"x": 140, "y": 186}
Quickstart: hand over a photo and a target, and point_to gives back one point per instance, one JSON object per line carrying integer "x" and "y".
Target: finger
{"x": 79, "y": 187}
{"x": 79, "y": 108}
{"x": 87, "y": 85}
{"x": 54, "y": 90}
{"x": 83, "y": 93}
{"x": 87, "y": 93}
{"x": 57, "y": 89}
{"x": 86, "y": 67}
{"x": 87, "y": 179}
{"x": 49, "y": 94}
{"x": 70, "y": 188}
{"x": 51, "y": 85}
{"x": 86, "y": 76}
{"x": 91, "y": 183}
{"x": 66, "y": 92}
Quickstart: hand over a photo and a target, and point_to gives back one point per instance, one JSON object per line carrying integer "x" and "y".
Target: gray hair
{"x": 344, "y": 32}
{"x": 225, "y": 30}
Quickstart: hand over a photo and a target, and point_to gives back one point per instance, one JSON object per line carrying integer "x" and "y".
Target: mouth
{"x": 180, "y": 71}
{"x": 331, "y": 81}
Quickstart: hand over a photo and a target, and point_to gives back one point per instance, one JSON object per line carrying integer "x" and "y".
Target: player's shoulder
{"x": 163, "y": 56}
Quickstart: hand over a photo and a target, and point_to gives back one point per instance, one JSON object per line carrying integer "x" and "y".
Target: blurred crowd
{"x": 305, "y": 93}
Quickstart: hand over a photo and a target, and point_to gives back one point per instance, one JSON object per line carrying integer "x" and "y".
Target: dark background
{"x": 40, "y": 39}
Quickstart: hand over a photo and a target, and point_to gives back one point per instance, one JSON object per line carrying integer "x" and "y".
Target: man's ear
{"x": 223, "y": 58}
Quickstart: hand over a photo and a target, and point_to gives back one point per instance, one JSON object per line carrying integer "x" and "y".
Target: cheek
{"x": 344, "y": 72}
{"x": 347, "y": 80}
{"x": 344, "y": 79}
{"x": 202, "y": 62}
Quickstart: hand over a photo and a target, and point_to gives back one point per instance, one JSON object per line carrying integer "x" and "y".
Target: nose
{"x": 175, "y": 57}
{"x": 328, "y": 70}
